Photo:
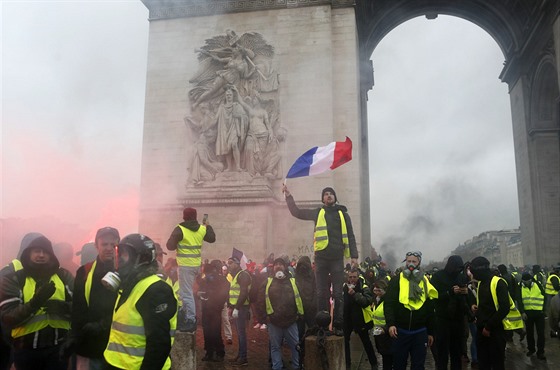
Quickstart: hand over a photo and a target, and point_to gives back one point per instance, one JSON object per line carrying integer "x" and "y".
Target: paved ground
{"x": 258, "y": 354}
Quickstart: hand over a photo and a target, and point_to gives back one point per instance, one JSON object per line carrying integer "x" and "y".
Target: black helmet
{"x": 141, "y": 249}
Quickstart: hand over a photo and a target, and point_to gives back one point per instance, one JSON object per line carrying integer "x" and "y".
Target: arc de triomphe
{"x": 238, "y": 89}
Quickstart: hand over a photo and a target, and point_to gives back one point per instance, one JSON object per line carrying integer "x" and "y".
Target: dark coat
{"x": 282, "y": 299}
{"x": 305, "y": 281}
{"x": 353, "y": 304}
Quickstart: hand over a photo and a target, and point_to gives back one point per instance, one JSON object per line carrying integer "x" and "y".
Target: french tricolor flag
{"x": 322, "y": 158}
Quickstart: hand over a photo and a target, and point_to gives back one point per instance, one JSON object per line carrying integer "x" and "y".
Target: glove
{"x": 524, "y": 316}
{"x": 42, "y": 295}
{"x": 57, "y": 307}
{"x": 235, "y": 313}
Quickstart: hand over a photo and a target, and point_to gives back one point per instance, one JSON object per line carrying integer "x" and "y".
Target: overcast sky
{"x": 73, "y": 81}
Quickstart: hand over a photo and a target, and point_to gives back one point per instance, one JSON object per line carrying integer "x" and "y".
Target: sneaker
{"x": 338, "y": 332}
{"x": 263, "y": 327}
{"x": 530, "y": 353}
{"x": 257, "y": 325}
{"x": 240, "y": 362}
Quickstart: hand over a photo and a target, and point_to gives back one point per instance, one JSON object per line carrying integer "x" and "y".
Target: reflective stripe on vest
{"x": 17, "y": 264}
{"x": 127, "y": 340}
{"x": 188, "y": 249}
{"x": 299, "y": 303}
{"x": 321, "y": 237}
{"x": 41, "y": 319}
{"x": 89, "y": 280}
{"x": 513, "y": 319}
{"x": 533, "y": 299}
{"x": 549, "y": 288}
{"x": 379, "y": 316}
{"x": 235, "y": 290}
{"x": 428, "y": 290}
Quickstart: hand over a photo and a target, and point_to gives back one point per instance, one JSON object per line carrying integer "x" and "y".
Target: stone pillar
{"x": 183, "y": 352}
{"x": 334, "y": 347}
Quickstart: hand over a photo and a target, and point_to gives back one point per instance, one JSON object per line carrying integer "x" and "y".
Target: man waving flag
{"x": 322, "y": 158}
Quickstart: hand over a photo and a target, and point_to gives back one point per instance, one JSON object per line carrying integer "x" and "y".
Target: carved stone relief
{"x": 234, "y": 117}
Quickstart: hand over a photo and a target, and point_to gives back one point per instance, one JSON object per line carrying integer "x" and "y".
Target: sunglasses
{"x": 415, "y": 254}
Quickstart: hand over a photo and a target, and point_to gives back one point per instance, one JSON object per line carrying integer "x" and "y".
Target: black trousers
{"x": 329, "y": 272}
{"x": 212, "y": 330}
{"x": 449, "y": 343}
{"x": 535, "y": 319}
{"x": 366, "y": 342}
{"x": 491, "y": 350}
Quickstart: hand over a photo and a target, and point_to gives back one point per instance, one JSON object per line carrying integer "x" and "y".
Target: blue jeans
{"x": 414, "y": 343}
{"x": 187, "y": 275}
{"x": 474, "y": 355}
{"x": 327, "y": 272}
{"x": 241, "y": 326}
{"x": 276, "y": 334}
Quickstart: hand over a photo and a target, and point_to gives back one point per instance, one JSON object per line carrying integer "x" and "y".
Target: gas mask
{"x": 111, "y": 281}
{"x": 280, "y": 275}
{"x": 411, "y": 270}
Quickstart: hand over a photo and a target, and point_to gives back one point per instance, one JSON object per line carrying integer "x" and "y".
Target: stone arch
{"x": 545, "y": 97}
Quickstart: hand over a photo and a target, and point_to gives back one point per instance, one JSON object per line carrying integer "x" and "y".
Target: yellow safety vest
{"x": 513, "y": 319}
{"x": 532, "y": 298}
{"x": 17, "y": 264}
{"x": 188, "y": 249}
{"x": 379, "y": 316}
{"x": 428, "y": 290}
{"x": 127, "y": 340}
{"x": 321, "y": 237}
{"x": 41, "y": 319}
{"x": 549, "y": 288}
{"x": 89, "y": 280}
{"x": 367, "y": 311}
{"x": 299, "y": 303}
{"x": 235, "y": 290}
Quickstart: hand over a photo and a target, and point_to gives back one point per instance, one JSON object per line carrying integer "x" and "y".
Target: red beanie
{"x": 189, "y": 214}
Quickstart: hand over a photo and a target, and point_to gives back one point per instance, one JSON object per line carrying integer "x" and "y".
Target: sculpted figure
{"x": 232, "y": 121}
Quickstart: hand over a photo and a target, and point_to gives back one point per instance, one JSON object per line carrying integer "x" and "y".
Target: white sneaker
{"x": 257, "y": 325}
{"x": 263, "y": 327}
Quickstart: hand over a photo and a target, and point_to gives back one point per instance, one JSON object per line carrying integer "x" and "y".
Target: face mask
{"x": 280, "y": 275}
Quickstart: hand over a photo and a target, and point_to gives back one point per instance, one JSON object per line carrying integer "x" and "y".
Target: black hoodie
{"x": 450, "y": 305}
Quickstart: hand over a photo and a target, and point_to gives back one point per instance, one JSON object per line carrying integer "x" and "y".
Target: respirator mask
{"x": 411, "y": 270}
{"x": 280, "y": 275}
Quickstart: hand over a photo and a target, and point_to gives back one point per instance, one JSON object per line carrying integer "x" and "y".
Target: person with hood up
{"x": 281, "y": 300}
{"x": 358, "y": 315}
{"x": 495, "y": 313}
{"x": 334, "y": 240}
{"x": 305, "y": 281}
{"x": 213, "y": 293}
{"x": 35, "y": 302}
{"x": 187, "y": 238}
{"x": 93, "y": 303}
{"x": 145, "y": 315}
{"x": 451, "y": 309}
{"x": 409, "y": 313}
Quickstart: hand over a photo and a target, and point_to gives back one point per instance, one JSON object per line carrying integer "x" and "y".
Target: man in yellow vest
{"x": 531, "y": 305}
{"x": 358, "y": 315}
{"x": 334, "y": 240}
{"x": 552, "y": 287}
{"x": 187, "y": 238}
{"x": 93, "y": 305}
{"x": 238, "y": 307}
{"x": 409, "y": 313}
{"x": 279, "y": 298}
{"x": 493, "y": 305}
{"x": 35, "y": 303}
{"x": 145, "y": 315}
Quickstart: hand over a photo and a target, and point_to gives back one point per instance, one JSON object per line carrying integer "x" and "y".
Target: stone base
{"x": 183, "y": 352}
{"x": 334, "y": 347}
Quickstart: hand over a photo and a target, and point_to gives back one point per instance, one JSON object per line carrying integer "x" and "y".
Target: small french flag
{"x": 321, "y": 158}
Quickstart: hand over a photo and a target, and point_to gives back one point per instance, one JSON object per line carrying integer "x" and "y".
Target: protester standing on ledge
{"x": 187, "y": 238}
{"x": 409, "y": 313}
{"x": 333, "y": 241}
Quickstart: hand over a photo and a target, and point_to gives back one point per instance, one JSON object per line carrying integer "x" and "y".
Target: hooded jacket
{"x": 14, "y": 312}
{"x": 282, "y": 299}
{"x": 193, "y": 225}
{"x": 449, "y": 305}
{"x": 353, "y": 304}
{"x": 335, "y": 248}
{"x": 305, "y": 281}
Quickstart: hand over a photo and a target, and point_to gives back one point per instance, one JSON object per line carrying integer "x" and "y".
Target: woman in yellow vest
{"x": 380, "y": 329}
{"x": 145, "y": 315}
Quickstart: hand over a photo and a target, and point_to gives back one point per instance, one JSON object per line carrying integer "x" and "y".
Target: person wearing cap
{"x": 93, "y": 303}
{"x": 87, "y": 254}
{"x": 279, "y": 297}
{"x": 530, "y": 303}
{"x": 238, "y": 306}
{"x": 35, "y": 302}
{"x": 409, "y": 313}
{"x": 334, "y": 240}
{"x": 145, "y": 315}
{"x": 495, "y": 312}
{"x": 187, "y": 238}
{"x": 65, "y": 254}
{"x": 451, "y": 309}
